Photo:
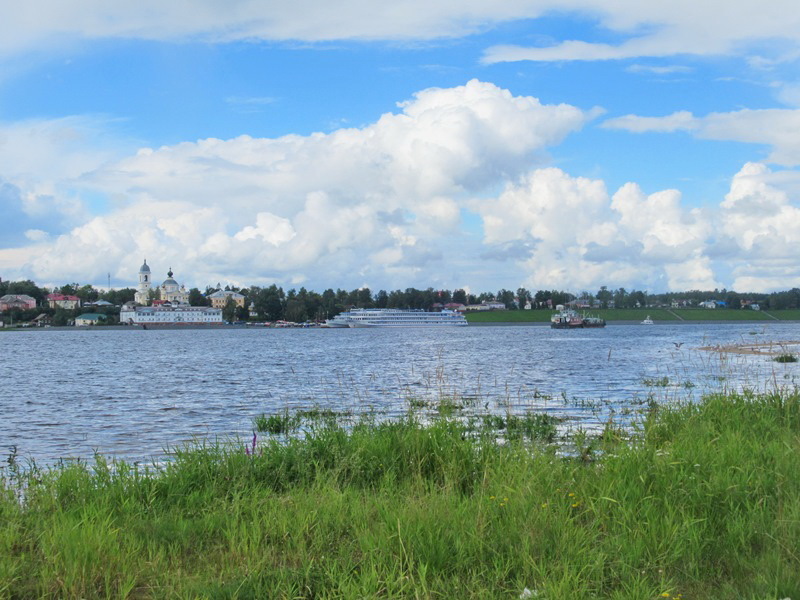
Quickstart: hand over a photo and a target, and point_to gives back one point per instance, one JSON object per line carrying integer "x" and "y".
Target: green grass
{"x": 637, "y": 315}
{"x": 788, "y": 314}
{"x": 510, "y": 316}
{"x": 543, "y": 316}
{"x": 702, "y": 502}
{"x": 722, "y": 314}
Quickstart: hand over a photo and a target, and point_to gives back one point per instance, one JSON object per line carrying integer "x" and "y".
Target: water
{"x": 134, "y": 394}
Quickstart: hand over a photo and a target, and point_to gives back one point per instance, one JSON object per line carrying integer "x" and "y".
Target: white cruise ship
{"x": 393, "y": 317}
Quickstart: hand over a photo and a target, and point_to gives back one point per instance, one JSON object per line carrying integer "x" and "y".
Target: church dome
{"x": 169, "y": 283}
{"x": 144, "y": 268}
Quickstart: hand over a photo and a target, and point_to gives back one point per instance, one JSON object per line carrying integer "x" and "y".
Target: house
{"x": 89, "y": 319}
{"x": 99, "y": 303}
{"x": 708, "y": 304}
{"x": 494, "y": 305}
{"x": 63, "y": 301}
{"x": 478, "y": 307}
{"x": 43, "y": 320}
{"x": 455, "y": 306}
{"x": 220, "y": 298}
{"x": 17, "y": 301}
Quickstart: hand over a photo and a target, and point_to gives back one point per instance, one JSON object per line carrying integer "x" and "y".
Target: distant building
{"x": 494, "y": 305}
{"x": 17, "y": 301}
{"x": 43, "y": 320}
{"x": 455, "y": 306}
{"x": 89, "y": 319}
{"x": 100, "y": 303}
{"x": 476, "y": 307}
{"x": 63, "y": 301}
{"x": 167, "y": 314}
{"x": 220, "y": 298}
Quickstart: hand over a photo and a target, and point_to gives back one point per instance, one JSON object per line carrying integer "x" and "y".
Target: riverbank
{"x": 703, "y": 502}
{"x": 178, "y": 327}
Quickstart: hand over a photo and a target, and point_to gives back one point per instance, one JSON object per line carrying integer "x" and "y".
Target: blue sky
{"x": 539, "y": 144}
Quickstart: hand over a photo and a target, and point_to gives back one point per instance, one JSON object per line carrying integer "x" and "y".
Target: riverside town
{"x": 23, "y": 304}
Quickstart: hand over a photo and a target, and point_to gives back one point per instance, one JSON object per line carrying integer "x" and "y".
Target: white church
{"x": 169, "y": 291}
{"x": 172, "y": 307}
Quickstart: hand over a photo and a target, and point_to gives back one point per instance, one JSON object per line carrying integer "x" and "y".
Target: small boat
{"x": 647, "y": 321}
{"x": 570, "y": 319}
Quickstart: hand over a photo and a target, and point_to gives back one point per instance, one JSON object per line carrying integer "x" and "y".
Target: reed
{"x": 700, "y": 500}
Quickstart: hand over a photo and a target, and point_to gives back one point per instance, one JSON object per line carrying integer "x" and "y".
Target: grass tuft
{"x": 785, "y": 358}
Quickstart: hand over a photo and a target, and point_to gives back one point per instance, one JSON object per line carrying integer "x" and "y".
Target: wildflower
{"x": 571, "y": 494}
{"x": 544, "y": 504}
{"x": 526, "y": 593}
{"x": 665, "y": 595}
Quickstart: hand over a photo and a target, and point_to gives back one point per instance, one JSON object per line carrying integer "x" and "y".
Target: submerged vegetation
{"x": 786, "y": 358}
{"x": 698, "y": 501}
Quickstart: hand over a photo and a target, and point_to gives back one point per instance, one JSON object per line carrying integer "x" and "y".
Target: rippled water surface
{"x": 133, "y": 394}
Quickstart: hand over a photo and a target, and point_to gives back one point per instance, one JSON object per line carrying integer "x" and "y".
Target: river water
{"x": 134, "y": 394}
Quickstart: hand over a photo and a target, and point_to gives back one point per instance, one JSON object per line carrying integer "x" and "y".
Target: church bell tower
{"x": 143, "y": 294}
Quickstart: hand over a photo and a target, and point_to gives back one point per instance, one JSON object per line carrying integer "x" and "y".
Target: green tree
{"x": 87, "y": 293}
{"x": 269, "y": 303}
{"x": 241, "y": 313}
{"x": 229, "y": 310}
{"x": 523, "y": 297}
{"x": 196, "y": 298}
{"x": 506, "y": 297}
{"x": 381, "y": 299}
{"x": 295, "y": 310}
{"x": 604, "y": 296}
{"x": 460, "y": 296}
{"x": 61, "y": 317}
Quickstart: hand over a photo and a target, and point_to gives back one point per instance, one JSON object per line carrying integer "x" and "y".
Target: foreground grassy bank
{"x": 703, "y": 502}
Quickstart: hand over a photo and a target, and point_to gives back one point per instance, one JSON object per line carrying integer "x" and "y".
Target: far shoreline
{"x": 178, "y": 327}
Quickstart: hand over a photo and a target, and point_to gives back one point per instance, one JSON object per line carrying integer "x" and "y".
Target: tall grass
{"x": 701, "y": 501}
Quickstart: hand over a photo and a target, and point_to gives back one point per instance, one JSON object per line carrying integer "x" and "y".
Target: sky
{"x": 547, "y": 144}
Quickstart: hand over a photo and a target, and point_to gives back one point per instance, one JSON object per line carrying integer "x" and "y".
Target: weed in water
{"x": 276, "y": 423}
{"x": 656, "y": 382}
{"x": 785, "y": 358}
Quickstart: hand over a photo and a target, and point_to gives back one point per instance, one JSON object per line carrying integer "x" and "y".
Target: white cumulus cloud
{"x": 774, "y": 127}
{"x": 378, "y": 202}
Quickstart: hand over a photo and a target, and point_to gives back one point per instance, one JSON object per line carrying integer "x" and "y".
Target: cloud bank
{"x": 648, "y": 29}
{"x": 450, "y": 190}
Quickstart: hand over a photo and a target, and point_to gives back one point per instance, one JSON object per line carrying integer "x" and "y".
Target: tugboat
{"x": 566, "y": 318}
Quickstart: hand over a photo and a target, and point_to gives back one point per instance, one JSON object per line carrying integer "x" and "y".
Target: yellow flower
{"x": 665, "y": 595}
{"x": 571, "y": 494}
{"x": 544, "y": 504}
